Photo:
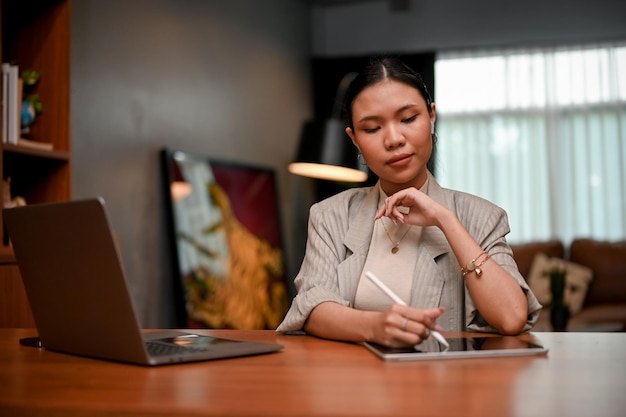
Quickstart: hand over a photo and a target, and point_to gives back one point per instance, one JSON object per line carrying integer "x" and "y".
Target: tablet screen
{"x": 465, "y": 347}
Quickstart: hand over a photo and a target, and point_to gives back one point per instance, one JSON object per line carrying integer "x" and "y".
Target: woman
{"x": 442, "y": 251}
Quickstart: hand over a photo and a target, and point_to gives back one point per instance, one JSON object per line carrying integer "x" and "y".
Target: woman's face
{"x": 392, "y": 130}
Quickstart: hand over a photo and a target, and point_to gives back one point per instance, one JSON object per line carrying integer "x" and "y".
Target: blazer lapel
{"x": 428, "y": 280}
{"x": 357, "y": 242}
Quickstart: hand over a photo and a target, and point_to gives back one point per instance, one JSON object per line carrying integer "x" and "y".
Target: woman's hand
{"x": 401, "y": 326}
{"x": 423, "y": 210}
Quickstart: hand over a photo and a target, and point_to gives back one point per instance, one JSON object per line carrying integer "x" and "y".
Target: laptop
{"x": 78, "y": 292}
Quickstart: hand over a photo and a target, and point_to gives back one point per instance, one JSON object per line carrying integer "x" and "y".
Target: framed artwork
{"x": 226, "y": 242}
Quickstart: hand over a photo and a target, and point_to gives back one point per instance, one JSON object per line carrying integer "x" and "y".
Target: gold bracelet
{"x": 472, "y": 266}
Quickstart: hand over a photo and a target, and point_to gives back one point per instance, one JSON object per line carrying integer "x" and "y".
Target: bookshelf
{"x": 35, "y": 34}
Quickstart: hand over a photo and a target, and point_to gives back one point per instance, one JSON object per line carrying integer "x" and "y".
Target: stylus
{"x": 399, "y": 300}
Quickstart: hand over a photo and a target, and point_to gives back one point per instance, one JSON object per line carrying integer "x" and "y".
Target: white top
{"x": 394, "y": 269}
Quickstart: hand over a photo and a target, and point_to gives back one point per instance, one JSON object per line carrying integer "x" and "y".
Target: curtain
{"x": 541, "y": 133}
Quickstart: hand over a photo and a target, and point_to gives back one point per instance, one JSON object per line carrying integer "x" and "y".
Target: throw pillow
{"x": 577, "y": 280}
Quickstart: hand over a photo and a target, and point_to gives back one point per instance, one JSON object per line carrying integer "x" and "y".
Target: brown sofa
{"x": 604, "y": 306}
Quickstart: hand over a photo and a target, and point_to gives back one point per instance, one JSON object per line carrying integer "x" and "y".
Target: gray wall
{"x": 225, "y": 78}
{"x": 231, "y": 79}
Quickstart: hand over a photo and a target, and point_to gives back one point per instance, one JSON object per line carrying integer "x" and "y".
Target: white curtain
{"x": 541, "y": 133}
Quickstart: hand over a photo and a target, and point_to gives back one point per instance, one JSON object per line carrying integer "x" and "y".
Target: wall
{"x": 345, "y": 27}
{"x": 228, "y": 79}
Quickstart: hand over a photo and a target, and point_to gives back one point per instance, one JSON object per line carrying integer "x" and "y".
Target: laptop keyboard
{"x": 166, "y": 349}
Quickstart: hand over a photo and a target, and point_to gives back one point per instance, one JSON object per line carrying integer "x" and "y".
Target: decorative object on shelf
{"x": 7, "y": 200}
{"x": 31, "y": 104}
{"x": 27, "y": 116}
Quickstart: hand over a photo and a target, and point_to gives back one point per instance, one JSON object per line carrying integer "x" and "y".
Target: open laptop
{"x": 78, "y": 292}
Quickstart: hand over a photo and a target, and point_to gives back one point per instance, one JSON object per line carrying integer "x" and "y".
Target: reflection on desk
{"x": 583, "y": 375}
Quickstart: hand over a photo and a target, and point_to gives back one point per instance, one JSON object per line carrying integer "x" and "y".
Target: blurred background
{"x": 237, "y": 80}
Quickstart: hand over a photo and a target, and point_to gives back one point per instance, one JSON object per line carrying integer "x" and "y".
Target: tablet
{"x": 466, "y": 347}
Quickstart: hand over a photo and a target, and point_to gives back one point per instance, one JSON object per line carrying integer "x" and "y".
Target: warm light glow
{"x": 180, "y": 190}
{"x": 327, "y": 172}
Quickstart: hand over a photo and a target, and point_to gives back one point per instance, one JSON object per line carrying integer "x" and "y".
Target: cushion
{"x": 524, "y": 253}
{"x": 607, "y": 260}
{"x": 577, "y": 280}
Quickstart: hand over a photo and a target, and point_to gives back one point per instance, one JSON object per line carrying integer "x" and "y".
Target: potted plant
{"x": 559, "y": 312}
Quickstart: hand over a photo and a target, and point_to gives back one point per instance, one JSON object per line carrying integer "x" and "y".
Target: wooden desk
{"x": 584, "y": 374}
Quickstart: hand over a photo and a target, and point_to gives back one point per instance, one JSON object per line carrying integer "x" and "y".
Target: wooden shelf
{"x": 37, "y": 153}
{"x": 35, "y": 35}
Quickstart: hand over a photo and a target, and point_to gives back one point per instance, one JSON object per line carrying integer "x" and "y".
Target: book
{"x": 12, "y": 112}
{"x": 18, "y": 110}
{"x": 5, "y": 102}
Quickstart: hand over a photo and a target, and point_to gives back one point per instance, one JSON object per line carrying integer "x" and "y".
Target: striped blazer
{"x": 339, "y": 233}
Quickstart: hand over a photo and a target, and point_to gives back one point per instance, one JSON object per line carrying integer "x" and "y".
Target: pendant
{"x": 395, "y": 249}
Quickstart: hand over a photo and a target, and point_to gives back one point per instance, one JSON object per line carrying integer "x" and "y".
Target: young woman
{"x": 443, "y": 252}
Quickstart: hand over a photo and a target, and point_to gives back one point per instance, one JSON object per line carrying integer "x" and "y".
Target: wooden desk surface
{"x": 584, "y": 374}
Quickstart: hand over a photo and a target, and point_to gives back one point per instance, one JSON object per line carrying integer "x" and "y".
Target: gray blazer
{"x": 339, "y": 233}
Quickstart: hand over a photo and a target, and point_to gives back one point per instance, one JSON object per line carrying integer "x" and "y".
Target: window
{"x": 541, "y": 133}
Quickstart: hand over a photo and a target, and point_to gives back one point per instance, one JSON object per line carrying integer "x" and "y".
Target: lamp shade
{"x": 326, "y": 152}
{"x": 179, "y": 187}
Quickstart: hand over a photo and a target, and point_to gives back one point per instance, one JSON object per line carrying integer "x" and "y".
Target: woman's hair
{"x": 379, "y": 69}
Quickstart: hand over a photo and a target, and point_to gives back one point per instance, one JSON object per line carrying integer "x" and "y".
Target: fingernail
{"x": 439, "y": 328}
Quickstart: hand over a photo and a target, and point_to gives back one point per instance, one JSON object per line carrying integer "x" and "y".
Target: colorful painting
{"x": 226, "y": 232}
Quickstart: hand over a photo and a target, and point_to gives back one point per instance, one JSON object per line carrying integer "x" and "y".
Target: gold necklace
{"x": 396, "y": 245}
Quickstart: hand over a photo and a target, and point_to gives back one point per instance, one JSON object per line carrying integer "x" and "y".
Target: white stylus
{"x": 399, "y": 300}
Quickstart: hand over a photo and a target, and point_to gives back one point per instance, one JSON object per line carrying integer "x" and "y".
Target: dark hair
{"x": 379, "y": 69}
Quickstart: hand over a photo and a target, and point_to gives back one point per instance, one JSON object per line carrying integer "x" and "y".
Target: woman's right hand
{"x": 401, "y": 326}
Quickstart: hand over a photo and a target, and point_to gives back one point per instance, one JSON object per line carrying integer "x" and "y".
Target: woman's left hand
{"x": 423, "y": 210}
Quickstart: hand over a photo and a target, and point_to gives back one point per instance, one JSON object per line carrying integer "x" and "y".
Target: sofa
{"x": 595, "y": 281}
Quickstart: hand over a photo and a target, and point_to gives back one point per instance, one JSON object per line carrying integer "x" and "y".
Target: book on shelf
{"x": 11, "y": 98}
{"x": 18, "y": 111}
{"x": 27, "y": 143}
{"x": 5, "y": 102}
